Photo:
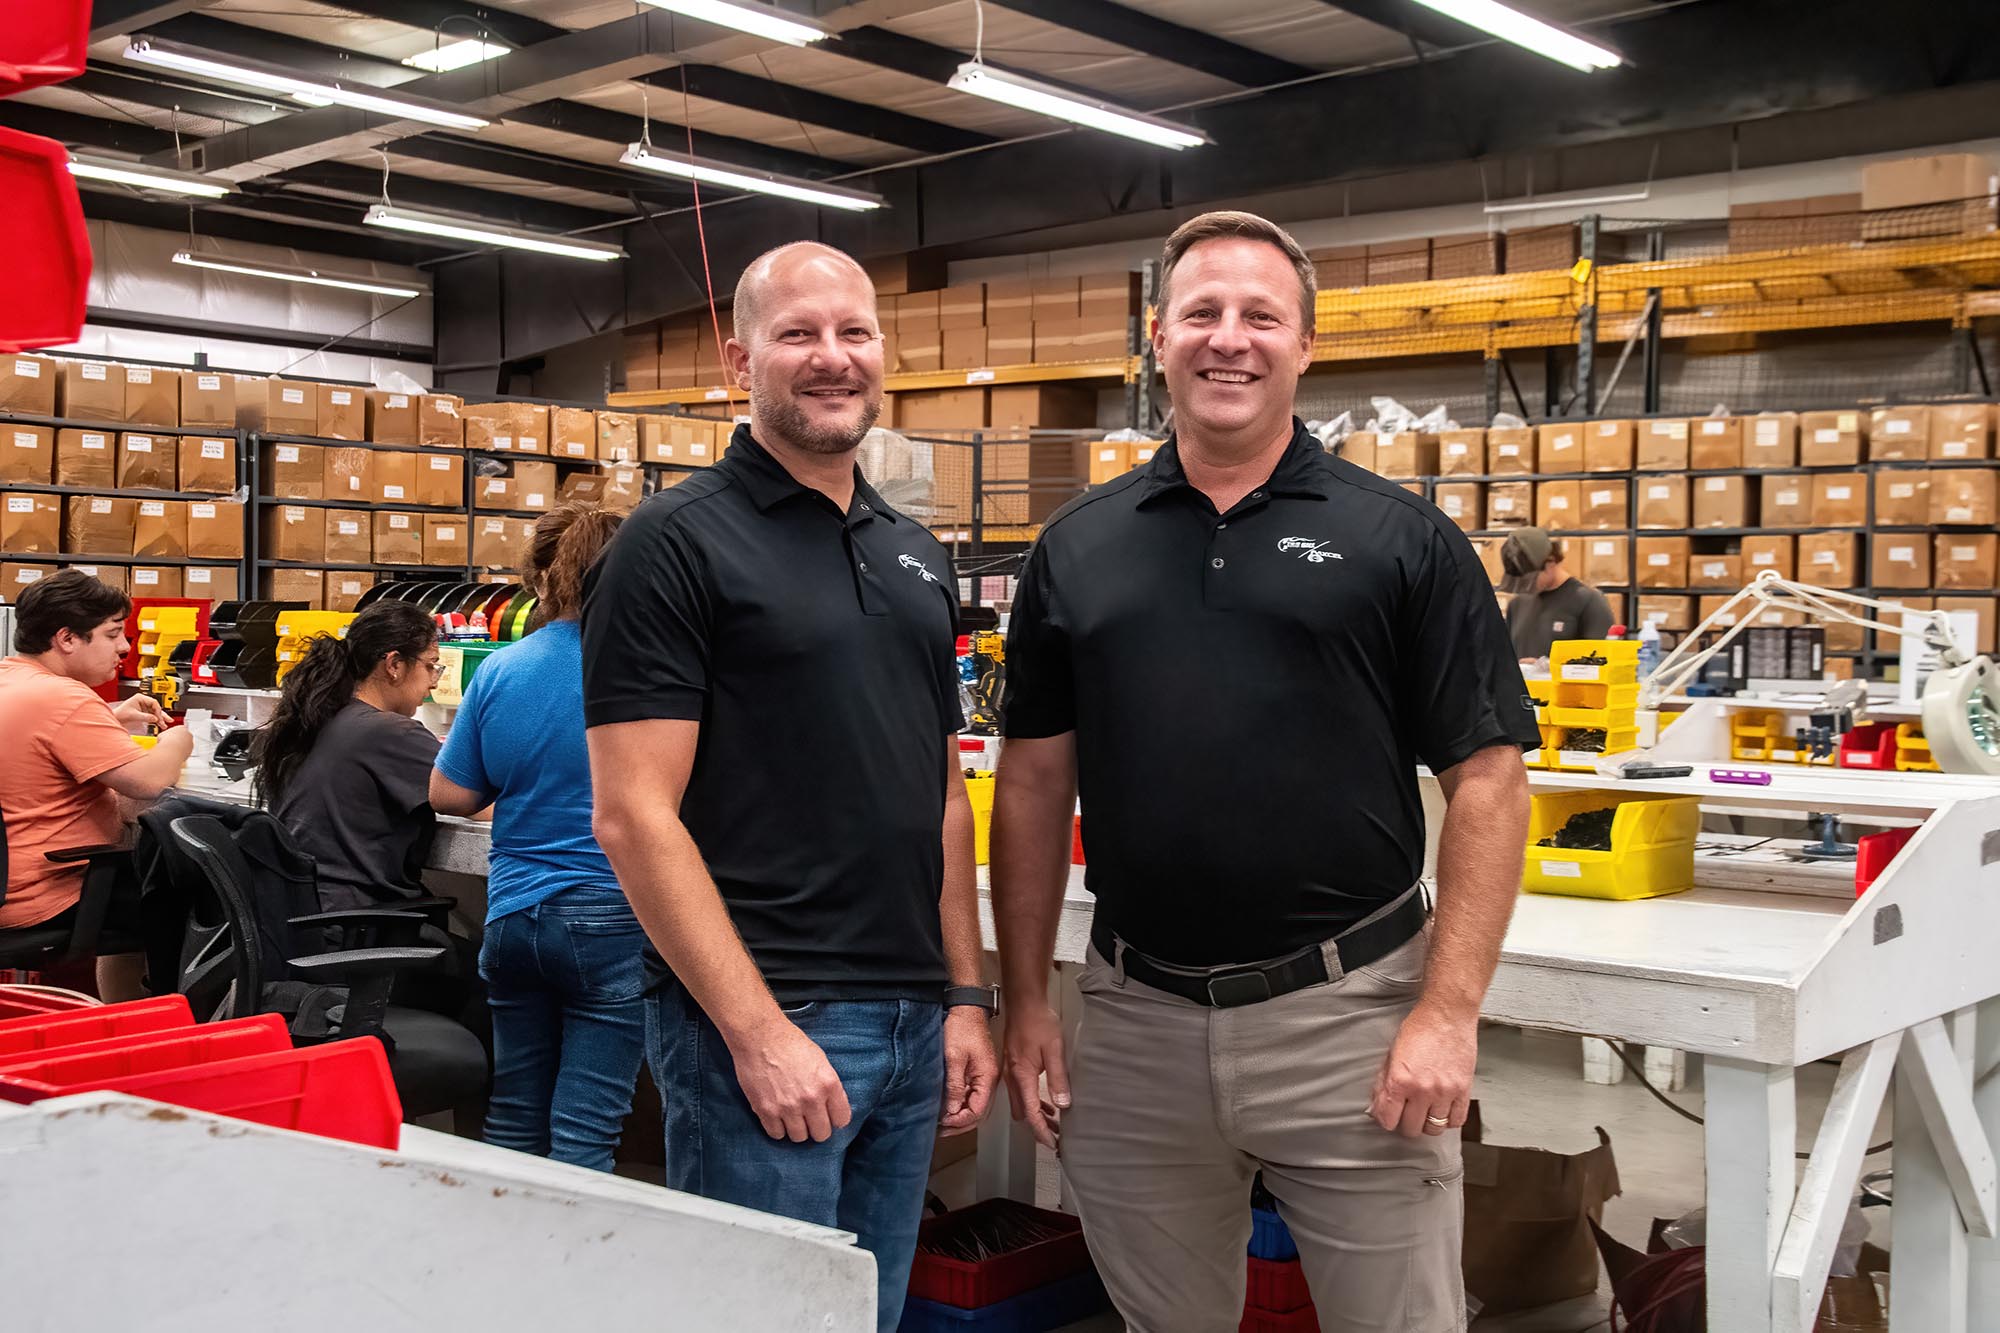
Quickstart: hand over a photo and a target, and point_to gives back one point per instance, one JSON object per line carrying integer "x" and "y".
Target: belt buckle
{"x": 1232, "y": 990}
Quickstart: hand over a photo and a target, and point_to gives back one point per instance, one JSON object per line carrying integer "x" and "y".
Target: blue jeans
{"x": 869, "y": 1178}
{"x": 565, "y": 980}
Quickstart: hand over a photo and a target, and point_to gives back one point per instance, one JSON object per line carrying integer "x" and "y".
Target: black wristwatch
{"x": 979, "y": 997}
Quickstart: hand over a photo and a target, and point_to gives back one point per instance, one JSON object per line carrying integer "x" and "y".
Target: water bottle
{"x": 1649, "y": 650}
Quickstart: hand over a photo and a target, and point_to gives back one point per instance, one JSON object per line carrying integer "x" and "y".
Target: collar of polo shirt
{"x": 1297, "y": 476}
{"x": 765, "y": 480}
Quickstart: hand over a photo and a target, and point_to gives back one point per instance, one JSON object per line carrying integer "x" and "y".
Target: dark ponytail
{"x": 566, "y": 543}
{"x": 322, "y": 683}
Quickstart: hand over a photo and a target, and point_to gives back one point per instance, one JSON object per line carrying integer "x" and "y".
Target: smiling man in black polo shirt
{"x": 1239, "y": 654}
{"x": 772, "y": 698}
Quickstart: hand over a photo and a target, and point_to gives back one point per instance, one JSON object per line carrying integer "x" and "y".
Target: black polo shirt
{"x": 1252, "y": 692}
{"x": 816, "y": 649}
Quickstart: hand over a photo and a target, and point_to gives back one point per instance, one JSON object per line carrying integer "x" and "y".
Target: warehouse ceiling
{"x": 1294, "y": 93}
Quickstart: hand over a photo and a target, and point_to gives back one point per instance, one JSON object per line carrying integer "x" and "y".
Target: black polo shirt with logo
{"x": 1252, "y": 693}
{"x": 816, "y": 650}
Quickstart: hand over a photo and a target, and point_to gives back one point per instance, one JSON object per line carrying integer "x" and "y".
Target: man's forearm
{"x": 1480, "y": 851}
{"x": 958, "y": 903}
{"x": 1031, "y": 838}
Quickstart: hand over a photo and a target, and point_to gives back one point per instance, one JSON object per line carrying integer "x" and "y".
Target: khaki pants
{"x": 1175, "y": 1105}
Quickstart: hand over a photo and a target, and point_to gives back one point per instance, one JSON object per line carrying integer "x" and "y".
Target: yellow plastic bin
{"x": 1652, "y": 846}
{"x": 979, "y": 786}
{"x": 1568, "y": 664}
{"x": 1617, "y": 740}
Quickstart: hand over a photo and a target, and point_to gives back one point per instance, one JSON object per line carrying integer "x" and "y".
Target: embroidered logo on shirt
{"x": 911, "y": 562}
{"x": 1307, "y": 549}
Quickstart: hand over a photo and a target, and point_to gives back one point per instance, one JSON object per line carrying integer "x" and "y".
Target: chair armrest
{"x": 369, "y": 976}
{"x": 347, "y": 961}
{"x": 70, "y": 854}
{"x": 377, "y": 915}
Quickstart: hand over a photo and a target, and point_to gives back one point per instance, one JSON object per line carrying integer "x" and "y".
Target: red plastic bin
{"x": 28, "y": 1002}
{"x": 48, "y": 1031}
{"x": 1278, "y": 1287}
{"x": 1870, "y": 745}
{"x": 970, "y": 1286}
{"x": 1291, "y": 1321}
{"x": 43, "y": 219}
{"x": 42, "y": 42}
{"x": 177, "y": 1048}
{"x": 1874, "y": 853}
{"x": 341, "y": 1090}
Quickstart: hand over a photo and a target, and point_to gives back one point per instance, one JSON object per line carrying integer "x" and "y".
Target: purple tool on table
{"x": 1743, "y": 776}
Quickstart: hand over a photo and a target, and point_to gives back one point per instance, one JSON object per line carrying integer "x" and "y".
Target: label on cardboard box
{"x": 295, "y": 397}
{"x": 1503, "y": 503}
{"x": 1454, "y": 505}
{"x": 1454, "y": 449}
{"x": 528, "y": 443}
{"x": 20, "y": 504}
{"x": 1767, "y": 432}
{"x": 152, "y": 509}
{"x": 198, "y": 576}
{"x": 1602, "y": 548}
{"x": 398, "y": 400}
{"x": 94, "y": 441}
{"x": 100, "y": 506}
{"x": 201, "y": 511}
{"x": 1826, "y": 436}
{"x": 1773, "y": 617}
{"x": 1601, "y": 497}
{"x": 1717, "y": 427}
{"x": 1558, "y": 502}
{"x": 1607, "y": 428}
{"x": 1956, "y": 448}
{"x": 1763, "y": 557}
{"x": 354, "y": 483}
{"x": 342, "y": 397}
{"x": 1958, "y": 514}
{"x": 1902, "y": 555}
{"x": 1896, "y": 426}
{"x": 399, "y": 521}
{"x": 1659, "y": 558}
{"x": 1510, "y": 451}
{"x": 288, "y": 453}
{"x": 1901, "y": 490}
{"x": 1788, "y": 497}
{"x": 207, "y": 383}
{"x": 536, "y": 501}
{"x": 697, "y": 450}
{"x": 133, "y": 374}
{"x": 1964, "y": 553}
{"x": 1840, "y": 492}
{"x": 24, "y": 439}
{"x": 138, "y": 444}
{"x": 1826, "y": 557}
{"x": 214, "y": 448}
{"x": 1714, "y": 569}
{"x": 392, "y": 492}
{"x": 351, "y": 587}
{"x": 92, "y": 371}
{"x": 440, "y": 465}
{"x": 446, "y": 534}
{"x": 1849, "y": 422}
{"x": 348, "y": 527}
{"x": 1716, "y": 484}
{"x": 444, "y": 405}
{"x": 503, "y": 442}
{"x": 146, "y": 576}
{"x": 1658, "y": 492}
{"x": 494, "y": 525}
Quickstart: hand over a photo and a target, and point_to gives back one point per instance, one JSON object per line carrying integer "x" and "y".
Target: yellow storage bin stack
{"x": 1913, "y": 752}
{"x": 1652, "y": 846}
{"x": 297, "y": 628}
{"x": 161, "y": 630}
{"x": 1596, "y": 689}
{"x": 1758, "y": 736}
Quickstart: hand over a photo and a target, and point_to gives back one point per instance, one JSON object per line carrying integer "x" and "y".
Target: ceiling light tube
{"x": 1590, "y": 201}
{"x": 141, "y": 176}
{"x": 311, "y": 91}
{"x": 455, "y": 55}
{"x": 488, "y": 233}
{"x": 982, "y": 80}
{"x": 766, "y": 21}
{"x": 710, "y": 172}
{"x": 1524, "y": 30}
{"x": 257, "y": 268}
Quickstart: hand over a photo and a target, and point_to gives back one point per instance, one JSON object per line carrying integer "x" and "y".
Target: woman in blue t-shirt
{"x": 562, "y": 955}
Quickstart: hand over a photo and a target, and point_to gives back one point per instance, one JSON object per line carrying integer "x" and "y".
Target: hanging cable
{"x": 978, "y": 32}
{"x": 701, "y": 238}
{"x": 384, "y": 155}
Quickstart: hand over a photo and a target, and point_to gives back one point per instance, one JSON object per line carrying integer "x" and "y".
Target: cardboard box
{"x": 1785, "y": 502}
{"x": 495, "y": 493}
{"x": 294, "y": 471}
{"x": 1057, "y": 298}
{"x": 160, "y": 529}
{"x": 393, "y": 477}
{"x": 86, "y": 458}
{"x": 1604, "y": 562}
{"x": 91, "y": 391}
{"x": 495, "y": 543}
{"x": 1010, "y": 344}
{"x": 1359, "y": 449}
{"x": 1559, "y": 447}
{"x": 392, "y": 417}
{"x": 30, "y": 524}
{"x": 1606, "y": 504}
{"x": 1488, "y": 551}
{"x": 208, "y": 400}
{"x": 1764, "y": 552}
{"x": 1963, "y": 496}
{"x": 506, "y": 428}
{"x": 1558, "y": 505}
{"x": 962, "y": 307}
{"x": 1723, "y": 502}
{"x": 1340, "y": 266}
{"x": 572, "y": 432}
{"x": 152, "y": 396}
{"x": 1055, "y": 340}
{"x": 347, "y": 474}
{"x": 99, "y": 525}
{"x": 342, "y": 412}
{"x": 295, "y": 532}
{"x": 1715, "y": 571}
{"x": 618, "y": 437}
{"x": 1539, "y": 249}
{"x": 1510, "y": 452}
{"x": 1461, "y": 453}
{"x": 1839, "y": 500}
{"x": 277, "y": 407}
{"x": 447, "y": 540}
{"x": 1715, "y": 442}
{"x": 440, "y": 480}
{"x": 1830, "y": 559}
{"x": 1510, "y": 504}
{"x": 399, "y": 538}
{"x": 1981, "y": 607}
{"x": 1661, "y": 446}
{"x": 1902, "y": 497}
{"x": 1899, "y": 560}
{"x": 146, "y": 462}
{"x": 349, "y": 537}
{"x": 1710, "y": 603}
{"x": 1663, "y": 502}
{"x": 440, "y": 424}
{"x": 1962, "y": 430}
{"x": 111, "y": 576}
{"x": 1672, "y": 613}
{"x": 1831, "y": 439}
{"x": 1899, "y": 432}
{"x": 1101, "y": 296}
{"x": 156, "y": 581}
{"x": 1399, "y": 261}
{"x": 27, "y": 453}
{"x": 1463, "y": 502}
{"x": 1009, "y": 301}
{"x": 298, "y": 585}
{"x": 1771, "y": 439}
{"x": 1923, "y": 185}
{"x": 1965, "y": 560}
{"x": 916, "y": 310}
{"x": 216, "y": 583}
{"x": 207, "y": 463}
{"x": 1404, "y": 454}
{"x": 214, "y": 530}
{"x": 28, "y": 385}
{"x": 1464, "y": 256}
{"x": 624, "y": 487}
{"x": 919, "y": 350}
{"x": 964, "y": 348}
{"x": 1609, "y": 446}
{"x": 17, "y": 578}
{"x": 534, "y": 485}
{"x": 1108, "y": 459}
{"x": 942, "y": 409}
{"x": 344, "y": 588}
{"x": 1663, "y": 562}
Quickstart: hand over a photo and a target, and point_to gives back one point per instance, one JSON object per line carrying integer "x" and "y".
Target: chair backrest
{"x": 223, "y": 963}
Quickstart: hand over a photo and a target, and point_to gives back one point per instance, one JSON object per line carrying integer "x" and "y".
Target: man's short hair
{"x": 744, "y": 312}
{"x": 71, "y": 600}
{"x": 1229, "y": 222}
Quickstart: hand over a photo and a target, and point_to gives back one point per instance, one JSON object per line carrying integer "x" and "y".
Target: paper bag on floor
{"x": 1527, "y": 1220}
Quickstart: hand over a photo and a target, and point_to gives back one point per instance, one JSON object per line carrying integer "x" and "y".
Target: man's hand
{"x": 1428, "y": 1073}
{"x": 970, "y": 1068}
{"x": 792, "y": 1089}
{"x": 1034, "y": 1046}
{"x": 141, "y": 708}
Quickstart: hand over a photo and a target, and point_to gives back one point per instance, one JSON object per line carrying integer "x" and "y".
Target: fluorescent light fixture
{"x": 983, "y": 80}
{"x": 487, "y": 233}
{"x": 455, "y": 55}
{"x": 1586, "y": 201}
{"x": 257, "y": 268}
{"x": 1544, "y": 39}
{"x": 143, "y": 177}
{"x": 766, "y": 21}
{"x": 311, "y": 91}
{"x": 710, "y": 172}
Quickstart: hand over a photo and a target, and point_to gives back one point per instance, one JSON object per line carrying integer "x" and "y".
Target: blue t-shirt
{"x": 518, "y": 736}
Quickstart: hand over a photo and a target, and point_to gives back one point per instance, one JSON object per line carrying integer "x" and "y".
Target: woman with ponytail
{"x": 562, "y": 955}
{"x": 345, "y": 765}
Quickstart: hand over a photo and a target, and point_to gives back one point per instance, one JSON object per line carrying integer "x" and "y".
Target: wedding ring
{"x": 1441, "y": 1121}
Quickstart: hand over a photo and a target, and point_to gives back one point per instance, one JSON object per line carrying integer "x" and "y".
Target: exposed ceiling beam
{"x": 1414, "y": 21}
{"x": 1136, "y": 30}
{"x": 544, "y": 169}
{"x": 119, "y": 18}
{"x": 454, "y": 20}
{"x": 79, "y": 131}
{"x": 262, "y": 229}
{"x": 615, "y": 127}
{"x": 363, "y": 185}
{"x": 217, "y": 34}
{"x": 751, "y": 93}
{"x": 127, "y": 84}
{"x": 318, "y": 342}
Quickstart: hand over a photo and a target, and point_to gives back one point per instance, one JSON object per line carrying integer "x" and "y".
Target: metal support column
{"x": 978, "y": 542}
{"x": 1491, "y": 368}
{"x": 1586, "y": 326}
{"x": 1656, "y": 250}
{"x": 1142, "y": 414}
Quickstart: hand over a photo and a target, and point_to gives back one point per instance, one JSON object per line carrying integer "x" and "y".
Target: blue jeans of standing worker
{"x": 566, "y": 981}
{"x": 869, "y": 1178}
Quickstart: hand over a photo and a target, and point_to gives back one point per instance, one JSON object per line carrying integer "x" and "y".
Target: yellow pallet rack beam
{"x": 1121, "y": 368}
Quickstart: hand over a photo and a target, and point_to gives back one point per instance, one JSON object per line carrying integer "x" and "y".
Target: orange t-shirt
{"x": 55, "y": 737}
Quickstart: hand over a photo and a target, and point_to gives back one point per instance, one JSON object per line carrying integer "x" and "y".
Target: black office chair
{"x": 242, "y": 957}
{"x": 40, "y": 947}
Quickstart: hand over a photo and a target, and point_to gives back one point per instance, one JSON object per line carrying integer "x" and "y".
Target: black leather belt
{"x": 1248, "y": 983}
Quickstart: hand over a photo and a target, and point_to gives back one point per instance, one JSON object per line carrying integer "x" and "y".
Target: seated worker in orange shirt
{"x": 67, "y": 756}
